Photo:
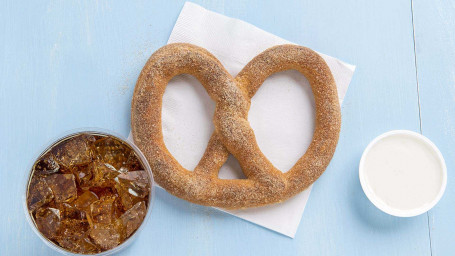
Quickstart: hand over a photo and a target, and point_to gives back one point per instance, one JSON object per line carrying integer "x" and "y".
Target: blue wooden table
{"x": 70, "y": 64}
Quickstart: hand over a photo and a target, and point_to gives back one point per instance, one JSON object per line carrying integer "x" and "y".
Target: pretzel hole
{"x": 186, "y": 116}
{"x": 231, "y": 170}
{"x": 282, "y": 115}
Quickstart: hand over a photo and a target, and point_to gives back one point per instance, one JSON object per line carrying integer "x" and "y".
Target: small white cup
{"x": 378, "y": 202}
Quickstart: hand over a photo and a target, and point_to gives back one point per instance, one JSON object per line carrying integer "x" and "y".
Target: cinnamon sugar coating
{"x": 265, "y": 184}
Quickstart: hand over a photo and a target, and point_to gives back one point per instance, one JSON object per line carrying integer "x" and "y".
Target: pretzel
{"x": 265, "y": 184}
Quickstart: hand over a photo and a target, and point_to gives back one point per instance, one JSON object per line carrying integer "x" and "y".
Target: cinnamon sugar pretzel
{"x": 265, "y": 184}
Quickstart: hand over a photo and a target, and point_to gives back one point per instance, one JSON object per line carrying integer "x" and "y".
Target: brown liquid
{"x": 88, "y": 193}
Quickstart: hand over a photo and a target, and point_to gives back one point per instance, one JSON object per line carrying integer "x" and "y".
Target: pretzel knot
{"x": 265, "y": 184}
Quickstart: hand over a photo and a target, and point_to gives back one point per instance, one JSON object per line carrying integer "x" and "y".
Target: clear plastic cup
{"x": 93, "y": 131}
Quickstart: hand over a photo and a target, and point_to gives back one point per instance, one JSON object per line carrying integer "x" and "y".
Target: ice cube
{"x": 74, "y": 151}
{"x": 137, "y": 183}
{"x": 85, "y": 200}
{"x": 111, "y": 151}
{"x": 132, "y": 219}
{"x": 133, "y": 163}
{"x": 106, "y": 236}
{"x": 102, "y": 211}
{"x": 71, "y": 212}
{"x": 126, "y": 198}
{"x": 84, "y": 175}
{"x": 46, "y": 165}
{"x": 39, "y": 193}
{"x": 48, "y": 221}
{"x": 74, "y": 236}
{"x": 63, "y": 187}
{"x": 104, "y": 174}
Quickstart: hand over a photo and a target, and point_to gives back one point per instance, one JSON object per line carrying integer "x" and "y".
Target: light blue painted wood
{"x": 69, "y": 64}
{"x": 435, "y": 50}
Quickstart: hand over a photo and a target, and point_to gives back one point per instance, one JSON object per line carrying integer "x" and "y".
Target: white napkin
{"x": 281, "y": 114}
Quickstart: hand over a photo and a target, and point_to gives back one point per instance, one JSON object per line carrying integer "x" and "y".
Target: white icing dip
{"x": 403, "y": 173}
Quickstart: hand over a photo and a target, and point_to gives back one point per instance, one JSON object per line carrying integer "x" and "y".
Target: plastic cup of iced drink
{"x": 89, "y": 192}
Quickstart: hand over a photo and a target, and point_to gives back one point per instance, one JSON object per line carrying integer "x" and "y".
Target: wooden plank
{"x": 67, "y": 64}
{"x": 435, "y": 51}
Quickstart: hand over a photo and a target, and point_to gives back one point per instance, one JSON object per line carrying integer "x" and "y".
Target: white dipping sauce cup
{"x": 380, "y": 202}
